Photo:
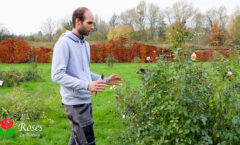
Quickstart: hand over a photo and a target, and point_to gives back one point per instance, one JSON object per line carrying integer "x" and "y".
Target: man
{"x": 70, "y": 69}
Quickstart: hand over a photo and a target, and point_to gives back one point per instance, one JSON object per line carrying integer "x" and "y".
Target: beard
{"x": 83, "y": 32}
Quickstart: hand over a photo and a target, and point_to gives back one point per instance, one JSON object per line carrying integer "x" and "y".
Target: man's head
{"x": 83, "y": 21}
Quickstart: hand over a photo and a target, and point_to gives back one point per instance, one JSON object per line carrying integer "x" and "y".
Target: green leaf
{"x": 1, "y": 131}
{"x": 9, "y": 133}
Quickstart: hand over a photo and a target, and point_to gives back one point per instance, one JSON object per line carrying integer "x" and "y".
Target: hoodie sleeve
{"x": 59, "y": 64}
{"x": 96, "y": 77}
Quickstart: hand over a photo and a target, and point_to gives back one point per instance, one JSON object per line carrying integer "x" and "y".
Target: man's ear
{"x": 78, "y": 21}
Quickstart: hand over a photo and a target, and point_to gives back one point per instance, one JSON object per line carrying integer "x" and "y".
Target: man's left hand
{"x": 113, "y": 80}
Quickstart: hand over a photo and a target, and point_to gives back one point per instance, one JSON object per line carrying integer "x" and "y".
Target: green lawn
{"x": 55, "y": 127}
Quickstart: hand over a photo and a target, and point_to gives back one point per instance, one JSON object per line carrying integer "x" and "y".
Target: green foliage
{"x": 140, "y": 35}
{"x": 178, "y": 34}
{"x": 31, "y": 73}
{"x": 13, "y": 77}
{"x": 183, "y": 103}
{"x": 10, "y": 78}
{"x": 96, "y": 36}
{"x": 217, "y": 56}
{"x": 136, "y": 60}
{"x": 68, "y": 25}
{"x": 234, "y": 29}
{"x": 120, "y": 31}
{"x": 21, "y": 106}
{"x": 110, "y": 60}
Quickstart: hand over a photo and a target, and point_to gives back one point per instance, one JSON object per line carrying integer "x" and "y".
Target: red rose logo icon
{"x": 6, "y": 123}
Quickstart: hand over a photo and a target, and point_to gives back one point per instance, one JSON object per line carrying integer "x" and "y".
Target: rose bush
{"x": 182, "y": 102}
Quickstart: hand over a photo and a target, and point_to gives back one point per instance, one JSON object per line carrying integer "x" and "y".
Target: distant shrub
{"x": 110, "y": 60}
{"x": 217, "y": 56}
{"x": 31, "y": 73}
{"x": 136, "y": 59}
{"x": 14, "y": 51}
{"x": 10, "y": 78}
{"x": 21, "y": 106}
{"x": 42, "y": 54}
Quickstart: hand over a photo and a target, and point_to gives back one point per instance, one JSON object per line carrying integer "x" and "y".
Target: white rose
{"x": 1, "y": 83}
{"x": 193, "y": 56}
{"x": 148, "y": 58}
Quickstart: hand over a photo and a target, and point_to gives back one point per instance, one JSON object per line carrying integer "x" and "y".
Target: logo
{"x": 29, "y": 130}
{"x": 6, "y": 128}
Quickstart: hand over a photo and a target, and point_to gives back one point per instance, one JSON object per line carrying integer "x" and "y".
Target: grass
{"x": 56, "y": 127}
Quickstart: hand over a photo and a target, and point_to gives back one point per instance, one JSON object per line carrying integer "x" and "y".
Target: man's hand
{"x": 97, "y": 86}
{"x": 113, "y": 80}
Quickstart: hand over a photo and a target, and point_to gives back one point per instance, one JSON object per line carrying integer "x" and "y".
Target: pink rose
{"x": 229, "y": 73}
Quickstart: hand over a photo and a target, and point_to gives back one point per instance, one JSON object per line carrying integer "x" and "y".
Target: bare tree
{"x": 161, "y": 25}
{"x": 101, "y": 25}
{"x": 182, "y": 12}
{"x": 168, "y": 13}
{"x": 128, "y": 17}
{"x": 4, "y": 33}
{"x": 48, "y": 27}
{"x": 3, "y": 30}
{"x": 153, "y": 13}
{"x": 222, "y": 16}
{"x": 113, "y": 21}
{"x": 141, "y": 15}
{"x": 199, "y": 23}
{"x": 219, "y": 14}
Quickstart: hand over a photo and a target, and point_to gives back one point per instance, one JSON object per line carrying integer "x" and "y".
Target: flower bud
{"x": 229, "y": 73}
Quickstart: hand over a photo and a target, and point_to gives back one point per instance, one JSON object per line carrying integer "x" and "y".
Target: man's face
{"x": 85, "y": 27}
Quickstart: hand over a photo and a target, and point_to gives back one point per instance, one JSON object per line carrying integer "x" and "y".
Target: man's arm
{"x": 59, "y": 65}
{"x": 96, "y": 77}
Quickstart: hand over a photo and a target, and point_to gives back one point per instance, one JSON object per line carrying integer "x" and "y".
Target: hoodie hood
{"x": 73, "y": 37}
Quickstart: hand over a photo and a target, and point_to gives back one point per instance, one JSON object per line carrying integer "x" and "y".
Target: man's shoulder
{"x": 87, "y": 43}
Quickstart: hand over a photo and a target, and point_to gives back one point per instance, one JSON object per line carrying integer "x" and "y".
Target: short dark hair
{"x": 78, "y": 13}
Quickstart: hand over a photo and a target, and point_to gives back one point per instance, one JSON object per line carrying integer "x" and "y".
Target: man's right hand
{"x": 97, "y": 86}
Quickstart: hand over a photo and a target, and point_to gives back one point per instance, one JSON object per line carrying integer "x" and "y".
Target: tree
{"x": 68, "y": 25}
{"x": 153, "y": 13}
{"x": 219, "y": 15}
{"x": 161, "y": 26}
{"x": 128, "y": 17}
{"x": 234, "y": 28}
{"x": 4, "y": 33}
{"x": 113, "y": 21}
{"x": 48, "y": 28}
{"x": 217, "y": 35}
{"x": 199, "y": 23}
{"x": 122, "y": 30}
{"x": 100, "y": 31}
{"x": 141, "y": 15}
{"x": 181, "y": 12}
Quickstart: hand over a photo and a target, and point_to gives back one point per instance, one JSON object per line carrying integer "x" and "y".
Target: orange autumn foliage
{"x": 124, "y": 50}
{"x": 43, "y": 54}
{"x": 14, "y": 51}
{"x": 20, "y": 51}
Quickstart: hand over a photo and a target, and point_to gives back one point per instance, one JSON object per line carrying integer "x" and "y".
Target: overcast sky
{"x": 25, "y": 16}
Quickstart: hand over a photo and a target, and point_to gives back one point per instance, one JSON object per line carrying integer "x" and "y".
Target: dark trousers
{"x": 80, "y": 117}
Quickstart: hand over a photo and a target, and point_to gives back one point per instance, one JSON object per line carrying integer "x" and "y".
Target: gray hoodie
{"x": 70, "y": 69}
